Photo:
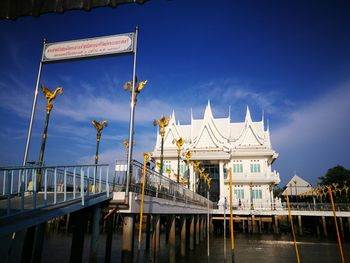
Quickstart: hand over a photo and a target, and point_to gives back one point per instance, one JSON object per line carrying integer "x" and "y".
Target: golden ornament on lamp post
{"x": 99, "y": 128}
{"x": 195, "y": 169}
{"x": 162, "y": 123}
{"x": 179, "y": 144}
{"x": 50, "y": 96}
{"x": 138, "y": 87}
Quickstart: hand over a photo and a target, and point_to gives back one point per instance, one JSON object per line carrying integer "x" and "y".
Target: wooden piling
{"x": 191, "y": 232}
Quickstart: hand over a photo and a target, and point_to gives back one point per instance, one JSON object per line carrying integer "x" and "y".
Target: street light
{"x": 188, "y": 156}
{"x": 50, "y": 96}
{"x": 179, "y": 144}
{"x": 162, "y": 123}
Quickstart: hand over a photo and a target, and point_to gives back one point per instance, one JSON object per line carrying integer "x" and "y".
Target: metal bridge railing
{"x": 20, "y": 188}
{"x": 156, "y": 185}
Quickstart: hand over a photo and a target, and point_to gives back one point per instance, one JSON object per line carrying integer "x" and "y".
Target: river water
{"x": 260, "y": 248}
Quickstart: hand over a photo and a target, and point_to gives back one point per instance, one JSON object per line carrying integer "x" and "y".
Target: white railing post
{"x": 45, "y": 187}
{"x": 55, "y": 186}
{"x": 74, "y": 183}
{"x": 8, "y": 194}
{"x": 65, "y": 184}
{"x": 107, "y": 182}
{"x": 4, "y": 184}
{"x": 99, "y": 186}
{"x": 11, "y": 181}
{"x": 82, "y": 186}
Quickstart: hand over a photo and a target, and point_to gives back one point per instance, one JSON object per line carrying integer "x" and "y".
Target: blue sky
{"x": 288, "y": 58}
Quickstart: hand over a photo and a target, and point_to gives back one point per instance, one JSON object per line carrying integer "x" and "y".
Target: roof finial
{"x": 248, "y": 118}
{"x": 229, "y": 112}
{"x": 207, "y": 112}
{"x": 268, "y": 126}
{"x": 191, "y": 115}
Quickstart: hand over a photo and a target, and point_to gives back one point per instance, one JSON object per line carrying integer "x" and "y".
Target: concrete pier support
{"x": 109, "y": 238}
{"x": 201, "y": 227}
{"x": 128, "y": 234}
{"x": 276, "y": 231}
{"x": 183, "y": 236}
{"x": 243, "y": 226}
{"x": 191, "y": 232}
{"x": 260, "y": 225}
{"x": 79, "y": 224}
{"x": 155, "y": 238}
{"x": 341, "y": 227}
{"x": 349, "y": 224}
{"x": 148, "y": 231}
{"x": 95, "y": 233}
{"x": 197, "y": 229}
{"x": 204, "y": 227}
{"x": 324, "y": 226}
{"x": 253, "y": 224}
{"x": 38, "y": 242}
{"x": 171, "y": 240}
{"x": 300, "y": 226}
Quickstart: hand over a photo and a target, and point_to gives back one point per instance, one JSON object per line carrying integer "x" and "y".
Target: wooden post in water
{"x": 336, "y": 225}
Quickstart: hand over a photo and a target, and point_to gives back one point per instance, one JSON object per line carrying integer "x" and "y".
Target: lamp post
{"x": 50, "y": 96}
{"x": 179, "y": 144}
{"x": 195, "y": 169}
{"x": 162, "y": 123}
{"x": 188, "y": 156}
{"x": 134, "y": 90}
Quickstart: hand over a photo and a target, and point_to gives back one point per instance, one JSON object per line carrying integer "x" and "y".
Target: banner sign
{"x": 90, "y": 47}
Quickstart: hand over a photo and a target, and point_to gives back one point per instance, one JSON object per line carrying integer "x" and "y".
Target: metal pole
{"x": 161, "y": 155}
{"x": 131, "y": 125}
{"x": 145, "y": 159}
{"x": 336, "y": 225}
{"x": 33, "y": 107}
{"x": 178, "y": 166}
{"x": 208, "y": 244}
{"x": 225, "y": 230}
{"x": 292, "y": 226}
{"x": 231, "y": 222}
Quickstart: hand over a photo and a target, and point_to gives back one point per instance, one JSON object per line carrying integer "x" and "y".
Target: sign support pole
{"x": 29, "y": 135}
{"x": 131, "y": 125}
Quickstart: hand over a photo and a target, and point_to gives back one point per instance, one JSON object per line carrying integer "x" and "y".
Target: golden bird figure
{"x": 50, "y": 96}
{"x": 99, "y": 126}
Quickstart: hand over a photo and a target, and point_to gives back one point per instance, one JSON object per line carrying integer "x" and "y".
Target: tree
{"x": 337, "y": 174}
{"x": 340, "y": 177}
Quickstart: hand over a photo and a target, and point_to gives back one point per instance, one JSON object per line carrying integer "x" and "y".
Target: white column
{"x": 221, "y": 179}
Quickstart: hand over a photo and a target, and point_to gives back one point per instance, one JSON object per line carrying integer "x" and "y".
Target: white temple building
{"x": 220, "y": 144}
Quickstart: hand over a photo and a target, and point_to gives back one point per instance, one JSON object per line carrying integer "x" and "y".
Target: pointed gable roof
{"x": 209, "y": 135}
{"x": 251, "y": 133}
{"x": 297, "y": 186}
